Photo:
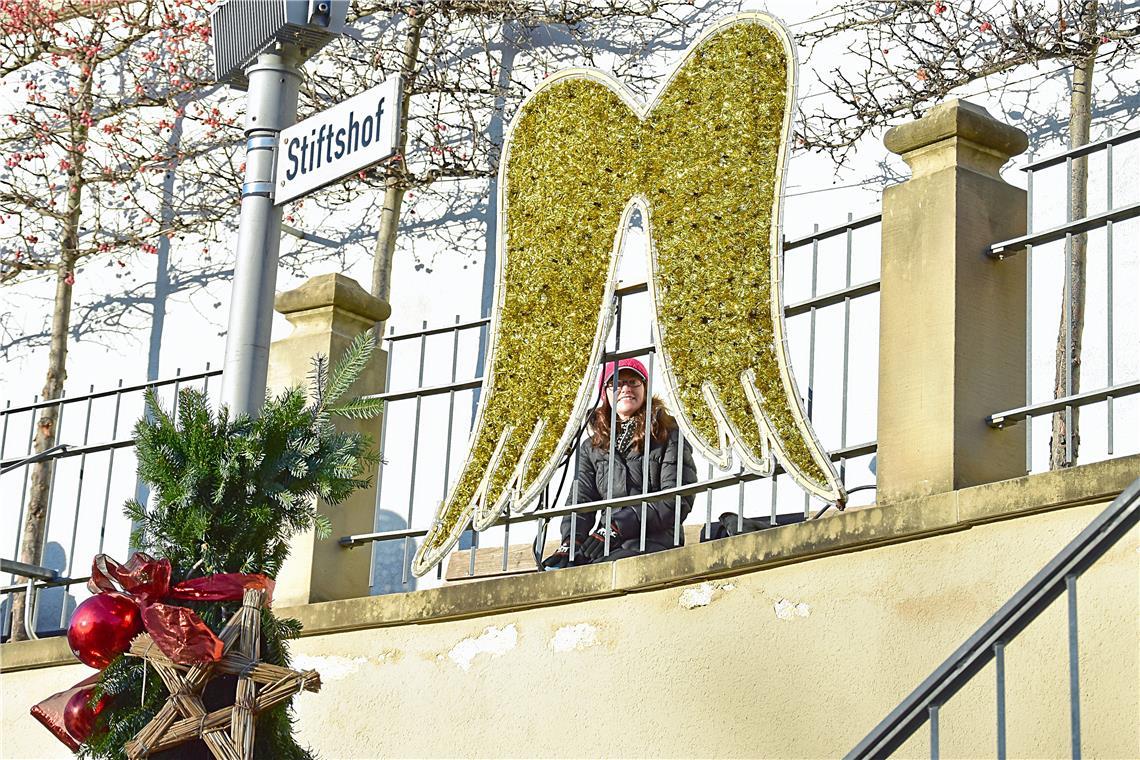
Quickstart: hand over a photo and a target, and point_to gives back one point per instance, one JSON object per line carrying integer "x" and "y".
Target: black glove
{"x": 561, "y": 557}
{"x": 595, "y": 544}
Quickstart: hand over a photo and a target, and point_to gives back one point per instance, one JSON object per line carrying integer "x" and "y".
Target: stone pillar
{"x": 952, "y": 319}
{"x": 327, "y": 312}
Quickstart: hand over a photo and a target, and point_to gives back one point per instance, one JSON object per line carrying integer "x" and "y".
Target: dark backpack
{"x": 730, "y": 524}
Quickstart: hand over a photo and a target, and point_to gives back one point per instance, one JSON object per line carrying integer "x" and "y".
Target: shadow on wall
{"x": 392, "y": 560}
{"x": 53, "y": 605}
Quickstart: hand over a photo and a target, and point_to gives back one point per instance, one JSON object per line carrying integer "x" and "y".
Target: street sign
{"x": 346, "y": 138}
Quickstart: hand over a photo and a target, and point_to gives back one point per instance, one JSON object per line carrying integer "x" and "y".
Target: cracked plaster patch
{"x": 571, "y": 637}
{"x": 786, "y": 610}
{"x": 331, "y": 667}
{"x": 702, "y": 595}
{"x": 388, "y": 656}
{"x": 493, "y": 641}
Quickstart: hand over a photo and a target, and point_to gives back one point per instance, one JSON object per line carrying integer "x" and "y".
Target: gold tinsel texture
{"x": 706, "y": 159}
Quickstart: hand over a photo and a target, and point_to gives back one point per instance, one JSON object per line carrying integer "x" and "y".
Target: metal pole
{"x": 271, "y": 105}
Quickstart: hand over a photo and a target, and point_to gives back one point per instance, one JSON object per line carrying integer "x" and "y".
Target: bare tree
{"x": 90, "y": 162}
{"x": 916, "y": 52}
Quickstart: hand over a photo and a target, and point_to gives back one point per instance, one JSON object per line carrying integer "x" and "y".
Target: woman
{"x": 594, "y": 472}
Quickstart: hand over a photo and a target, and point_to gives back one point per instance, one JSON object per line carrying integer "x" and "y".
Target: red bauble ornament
{"x": 102, "y": 628}
{"x": 79, "y": 716}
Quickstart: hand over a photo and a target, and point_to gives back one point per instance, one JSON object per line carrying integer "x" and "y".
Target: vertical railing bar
{"x": 933, "y": 732}
{"x": 450, "y": 425}
{"x": 846, "y": 338}
{"x": 613, "y": 430}
{"x": 740, "y": 500}
{"x": 450, "y": 409}
{"x": 474, "y": 548}
{"x": 206, "y": 381}
{"x": 1074, "y": 669}
{"x": 78, "y": 500}
{"x": 999, "y": 666}
{"x": 506, "y": 534}
{"x": 574, "y": 495}
{"x": 50, "y": 496}
{"x": 415, "y": 452}
{"x": 708, "y": 504}
{"x": 618, "y": 301}
{"x": 573, "y": 518}
{"x": 1029, "y": 317}
{"x": 376, "y": 545}
{"x": 177, "y": 387}
{"x": 811, "y": 340}
{"x": 3, "y": 444}
{"x": 773, "y": 480}
{"x": 544, "y": 502}
{"x": 1109, "y": 294}
{"x": 677, "y": 534}
{"x": 646, "y": 445}
{"x": 4, "y": 432}
{"x": 27, "y": 470}
{"x": 1067, "y": 310}
{"x": 110, "y": 469}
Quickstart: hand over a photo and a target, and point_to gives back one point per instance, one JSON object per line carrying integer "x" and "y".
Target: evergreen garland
{"x": 228, "y": 496}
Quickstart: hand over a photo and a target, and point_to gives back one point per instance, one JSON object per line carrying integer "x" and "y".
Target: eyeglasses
{"x": 627, "y": 383}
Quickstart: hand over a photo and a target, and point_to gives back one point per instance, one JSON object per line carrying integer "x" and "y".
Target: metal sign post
{"x": 271, "y": 107}
{"x": 259, "y": 45}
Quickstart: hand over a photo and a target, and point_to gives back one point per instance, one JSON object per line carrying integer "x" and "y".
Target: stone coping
{"x": 853, "y": 530}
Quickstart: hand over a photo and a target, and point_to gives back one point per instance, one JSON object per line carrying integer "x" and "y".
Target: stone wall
{"x": 788, "y": 643}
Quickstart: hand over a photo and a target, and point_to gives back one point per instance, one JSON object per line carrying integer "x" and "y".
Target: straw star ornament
{"x": 229, "y": 732}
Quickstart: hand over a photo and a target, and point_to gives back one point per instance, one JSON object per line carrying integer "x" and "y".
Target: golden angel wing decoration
{"x": 705, "y": 161}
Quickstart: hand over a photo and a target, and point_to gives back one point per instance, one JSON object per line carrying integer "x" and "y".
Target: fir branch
{"x": 348, "y": 369}
{"x": 358, "y": 409}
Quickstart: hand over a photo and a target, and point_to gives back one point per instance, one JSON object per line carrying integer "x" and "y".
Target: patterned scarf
{"x": 625, "y": 436}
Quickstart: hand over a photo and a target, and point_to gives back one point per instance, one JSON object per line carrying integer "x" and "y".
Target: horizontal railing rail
{"x": 689, "y": 489}
{"x": 28, "y": 571}
{"x": 65, "y": 451}
{"x": 1009, "y": 247}
{"x": 1013, "y": 416}
{"x": 828, "y": 232}
{"x": 988, "y": 642}
{"x": 112, "y": 391}
{"x": 1083, "y": 150}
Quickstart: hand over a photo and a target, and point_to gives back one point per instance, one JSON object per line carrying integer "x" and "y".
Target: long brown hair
{"x": 663, "y": 424}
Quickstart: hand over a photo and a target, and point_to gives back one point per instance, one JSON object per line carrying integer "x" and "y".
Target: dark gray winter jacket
{"x": 629, "y": 470}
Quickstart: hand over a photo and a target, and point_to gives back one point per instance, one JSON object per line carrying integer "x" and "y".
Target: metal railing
{"x": 988, "y": 642}
{"x": 96, "y": 446}
{"x": 409, "y": 427}
{"x": 1107, "y": 220}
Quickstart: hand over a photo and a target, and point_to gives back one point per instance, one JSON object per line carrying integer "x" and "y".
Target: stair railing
{"x": 988, "y": 642}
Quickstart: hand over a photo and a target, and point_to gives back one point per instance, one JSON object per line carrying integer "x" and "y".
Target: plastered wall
{"x": 798, "y": 660}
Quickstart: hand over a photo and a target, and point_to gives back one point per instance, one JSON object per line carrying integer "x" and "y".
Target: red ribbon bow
{"x": 177, "y": 631}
